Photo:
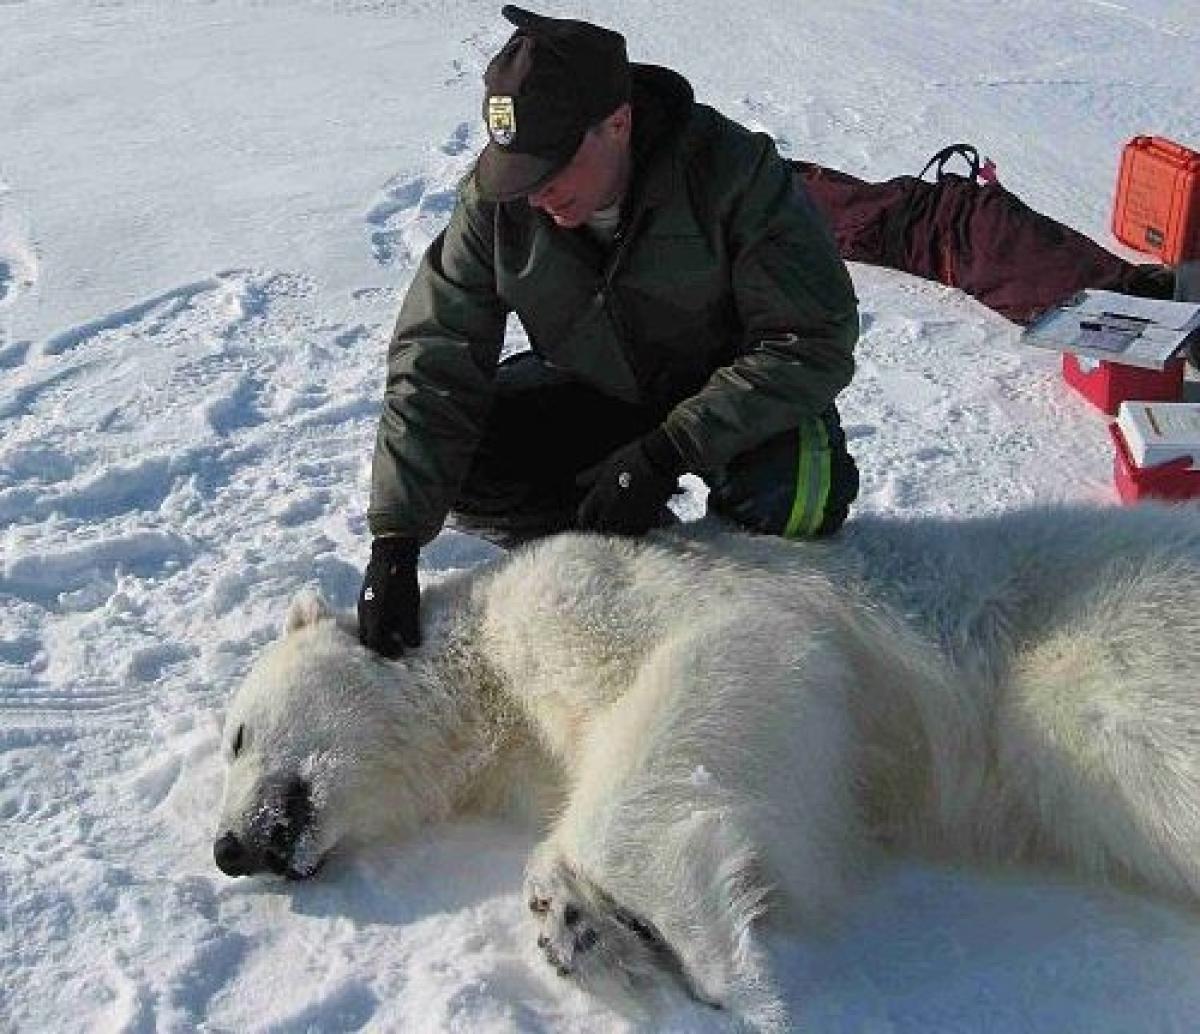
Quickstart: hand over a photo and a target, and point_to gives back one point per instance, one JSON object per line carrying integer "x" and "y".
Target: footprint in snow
{"x": 13, "y": 355}
{"x": 235, "y": 405}
{"x": 214, "y": 964}
{"x": 18, "y": 258}
{"x": 18, "y": 273}
{"x": 413, "y": 209}
{"x": 50, "y": 572}
{"x": 221, "y": 306}
{"x": 409, "y": 215}
{"x": 147, "y": 664}
{"x": 346, "y": 1008}
{"x": 155, "y": 782}
{"x": 459, "y": 140}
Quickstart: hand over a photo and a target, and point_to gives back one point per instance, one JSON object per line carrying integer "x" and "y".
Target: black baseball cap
{"x": 553, "y": 80}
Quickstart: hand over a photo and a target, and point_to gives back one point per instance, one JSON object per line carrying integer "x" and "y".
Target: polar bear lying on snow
{"x": 720, "y": 726}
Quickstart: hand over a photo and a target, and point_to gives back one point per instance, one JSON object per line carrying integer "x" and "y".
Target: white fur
{"x": 718, "y": 728}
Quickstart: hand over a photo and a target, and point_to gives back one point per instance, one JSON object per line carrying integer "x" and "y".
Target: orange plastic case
{"x": 1157, "y": 208}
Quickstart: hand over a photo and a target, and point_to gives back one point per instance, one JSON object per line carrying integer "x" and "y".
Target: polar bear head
{"x": 326, "y": 742}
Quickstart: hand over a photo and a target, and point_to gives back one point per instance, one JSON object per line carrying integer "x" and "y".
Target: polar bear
{"x": 720, "y": 730}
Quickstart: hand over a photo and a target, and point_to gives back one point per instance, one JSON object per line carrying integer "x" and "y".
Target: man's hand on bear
{"x": 390, "y": 598}
{"x": 628, "y": 491}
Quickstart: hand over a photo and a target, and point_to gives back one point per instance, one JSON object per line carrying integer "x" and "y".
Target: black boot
{"x": 512, "y": 528}
{"x": 1151, "y": 281}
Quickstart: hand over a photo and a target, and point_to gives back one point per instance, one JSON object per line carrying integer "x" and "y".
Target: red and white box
{"x": 1116, "y": 347}
{"x": 1106, "y": 384}
{"x": 1156, "y": 450}
{"x": 1157, "y": 204}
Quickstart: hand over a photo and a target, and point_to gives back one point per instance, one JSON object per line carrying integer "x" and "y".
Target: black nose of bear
{"x": 231, "y": 857}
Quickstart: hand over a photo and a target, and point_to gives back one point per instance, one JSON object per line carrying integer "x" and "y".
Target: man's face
{"x": 593, "y": 179}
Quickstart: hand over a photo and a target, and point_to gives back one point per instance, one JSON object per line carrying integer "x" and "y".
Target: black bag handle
{"x": 967, "y": 151}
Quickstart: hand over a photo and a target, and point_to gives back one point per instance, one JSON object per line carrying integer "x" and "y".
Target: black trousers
{"x": 546, "y": 428}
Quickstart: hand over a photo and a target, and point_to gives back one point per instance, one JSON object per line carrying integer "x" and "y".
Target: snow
{"x": 208, "y": 214}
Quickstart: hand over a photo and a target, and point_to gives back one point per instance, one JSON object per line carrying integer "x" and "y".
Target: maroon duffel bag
{"x": 971, "y": 233}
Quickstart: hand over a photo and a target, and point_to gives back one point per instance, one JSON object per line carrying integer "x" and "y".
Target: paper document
{"x": 1117, "y": 327}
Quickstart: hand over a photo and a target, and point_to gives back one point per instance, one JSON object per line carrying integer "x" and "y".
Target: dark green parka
{"x": 723, "y": 304}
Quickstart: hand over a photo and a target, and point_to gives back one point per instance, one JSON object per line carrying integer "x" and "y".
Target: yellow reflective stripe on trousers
{"x": 812, "y": 481}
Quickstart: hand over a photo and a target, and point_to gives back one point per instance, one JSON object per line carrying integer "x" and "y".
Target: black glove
{"x": 390, "y": 597}
{"x": 628, "y": 491}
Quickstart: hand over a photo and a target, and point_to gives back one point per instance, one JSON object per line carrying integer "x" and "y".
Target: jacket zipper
{"x": 621, "y": 239}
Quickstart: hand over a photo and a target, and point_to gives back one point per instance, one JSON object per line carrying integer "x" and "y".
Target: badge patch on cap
{"x": 502, "y": 119}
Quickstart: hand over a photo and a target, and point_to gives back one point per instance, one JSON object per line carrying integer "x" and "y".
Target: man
{"x": 685, "y": 304}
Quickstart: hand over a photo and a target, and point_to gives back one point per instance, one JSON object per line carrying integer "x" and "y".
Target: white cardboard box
{"x": 1158, "y": 432}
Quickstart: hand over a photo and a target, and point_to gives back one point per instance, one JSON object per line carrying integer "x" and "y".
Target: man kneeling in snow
{"x": 687, "y": 312}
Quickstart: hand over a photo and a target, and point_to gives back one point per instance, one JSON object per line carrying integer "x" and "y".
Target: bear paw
{"x": 584, "y": 934}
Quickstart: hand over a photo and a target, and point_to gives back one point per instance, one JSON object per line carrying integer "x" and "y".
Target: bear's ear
{"x": 306, "y": 608}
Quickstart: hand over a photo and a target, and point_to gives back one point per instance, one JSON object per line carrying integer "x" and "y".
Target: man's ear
{"x": 619, "y": 124}
{"x": 306, "y": 608}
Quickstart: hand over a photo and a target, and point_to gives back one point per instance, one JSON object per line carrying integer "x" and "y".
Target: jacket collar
{"x": 662, "y": 106}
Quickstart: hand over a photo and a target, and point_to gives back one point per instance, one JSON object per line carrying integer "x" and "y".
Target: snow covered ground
{"x": 208, "y": 213}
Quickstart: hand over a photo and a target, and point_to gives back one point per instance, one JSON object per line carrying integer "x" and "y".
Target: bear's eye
{"x": 237, "y": 740}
